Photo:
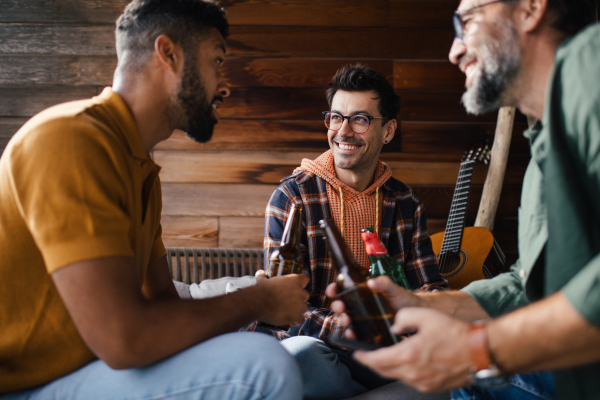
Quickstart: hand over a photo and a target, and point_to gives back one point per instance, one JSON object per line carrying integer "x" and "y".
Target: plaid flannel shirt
{"x": 403, "y": 232}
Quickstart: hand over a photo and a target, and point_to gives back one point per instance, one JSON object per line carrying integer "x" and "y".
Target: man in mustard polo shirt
{"x": 87, "y": 306}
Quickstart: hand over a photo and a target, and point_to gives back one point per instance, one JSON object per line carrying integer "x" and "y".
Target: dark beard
{"x": 193, "y": 100}
{"x": 501, "y": 61}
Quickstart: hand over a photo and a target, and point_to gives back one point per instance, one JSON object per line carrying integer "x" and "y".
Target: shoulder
{"x": 401, "y": 191}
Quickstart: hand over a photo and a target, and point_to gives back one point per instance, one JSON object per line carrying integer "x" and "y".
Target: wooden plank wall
{"x": 281, "y": 54}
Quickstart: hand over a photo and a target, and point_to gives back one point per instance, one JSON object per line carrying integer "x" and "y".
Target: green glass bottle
{"x": 381, "y": 262}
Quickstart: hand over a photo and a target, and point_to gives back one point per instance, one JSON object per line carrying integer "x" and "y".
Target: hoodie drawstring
{"x": 376, "y": 210}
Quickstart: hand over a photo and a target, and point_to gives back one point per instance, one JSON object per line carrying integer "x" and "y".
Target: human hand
{"x": 434, "y": 359}
{"x": 285, "y": 297}
{"x": 397, "y": 297}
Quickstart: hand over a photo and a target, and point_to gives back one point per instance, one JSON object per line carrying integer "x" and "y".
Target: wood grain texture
{"x": 437, "y": 200}
{"x": 80, "y": 39}
{"x": 189, "y": 231}
{"x": 339, "y": 13}
{"x": 57, "y": 70}
{"x": 288, "y": 103}
{"x": 213, "y": 199}
{"x": 407, "y": 44}
{"x": 271, "y": 167}
{"x": 227, "y": 167}
{"x": 241, "y": 232}
{"x": 89, "y": 11}
{"x": 433, "y": 14}
{"x": 427, "y": 75}
{"x": 26, "y": 101}
{"x": 448, "y": 137}
{"x": 256, "y": 135}
{"x": 8, "y": 127}
{"x": 292, "y": 72}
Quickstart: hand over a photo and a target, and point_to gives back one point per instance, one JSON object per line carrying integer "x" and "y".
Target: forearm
{"x": 549, "y": 334}
{"x": 163, "y": 327}
{"x": 454, "y": 303}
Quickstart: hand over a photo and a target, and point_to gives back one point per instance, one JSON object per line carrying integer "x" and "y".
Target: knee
{"x": 305, "y": 348}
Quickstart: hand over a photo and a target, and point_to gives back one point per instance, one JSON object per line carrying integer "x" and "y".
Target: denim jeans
{"x": 236, "y": 366}
{"x": 330, "y": 373}
{"x": 534, "y": 386}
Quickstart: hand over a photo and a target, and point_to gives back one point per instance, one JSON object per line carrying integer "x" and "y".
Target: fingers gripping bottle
{"x": 370, "y": 312}
{"x": 287, "y": 259}
{"x": 381, "y": 262}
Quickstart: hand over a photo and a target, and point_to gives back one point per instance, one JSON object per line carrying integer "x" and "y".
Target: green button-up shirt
{"x": 560, "y": 206}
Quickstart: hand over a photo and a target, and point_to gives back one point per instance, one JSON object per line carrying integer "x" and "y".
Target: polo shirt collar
{"x": 124, "y": 118}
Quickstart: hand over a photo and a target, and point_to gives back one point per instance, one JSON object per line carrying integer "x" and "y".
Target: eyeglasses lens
{"x": 458, "y": 27}
{"x": 358, "y": 123}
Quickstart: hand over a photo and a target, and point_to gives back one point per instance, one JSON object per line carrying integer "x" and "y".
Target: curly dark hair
{"x": 361, "y": 78}
{"x": 185, "y": 22}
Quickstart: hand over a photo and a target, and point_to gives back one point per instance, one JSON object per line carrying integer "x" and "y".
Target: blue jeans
{"x": 330, "y": 373}
{"x": 534, "y": 386}
{"x": 243, "y": 365}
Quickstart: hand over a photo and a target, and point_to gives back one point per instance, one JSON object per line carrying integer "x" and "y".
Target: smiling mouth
{"x": 346, "y": 146}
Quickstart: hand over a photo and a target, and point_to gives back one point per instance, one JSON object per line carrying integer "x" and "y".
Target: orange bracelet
{"x": 478, "y": 346}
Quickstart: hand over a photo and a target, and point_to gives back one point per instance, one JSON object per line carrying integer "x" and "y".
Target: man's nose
{"x": 345, "y": 129}
{"x": 457, "y": 51}
{"x": 223, "y": 88}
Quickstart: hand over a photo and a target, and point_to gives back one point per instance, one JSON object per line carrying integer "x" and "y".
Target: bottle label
{"x": 373, "y": 245}
{"x": 278, "y": 268}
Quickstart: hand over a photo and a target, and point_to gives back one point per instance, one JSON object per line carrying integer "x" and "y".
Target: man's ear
{"x": 530, "y": 14}
{"x": 390, "y": 130}
{"x": 169, "y": 54}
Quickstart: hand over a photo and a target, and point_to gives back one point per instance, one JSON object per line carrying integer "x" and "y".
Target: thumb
{"x": 410, "y": 319}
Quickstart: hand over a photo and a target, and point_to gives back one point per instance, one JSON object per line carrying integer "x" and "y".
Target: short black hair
{"x": 571, "y": 16}
{"x": 361, "y": 78}
{"x": 185, "y": 22}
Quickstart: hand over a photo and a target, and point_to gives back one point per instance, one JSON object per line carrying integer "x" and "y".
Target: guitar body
{"x": 480, "y": 257}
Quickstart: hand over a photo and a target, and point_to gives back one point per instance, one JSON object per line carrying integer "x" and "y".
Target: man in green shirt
{"x": 542, "y": 57}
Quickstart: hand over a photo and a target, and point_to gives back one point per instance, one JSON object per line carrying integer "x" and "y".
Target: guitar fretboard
{"x": 458, "y": 209}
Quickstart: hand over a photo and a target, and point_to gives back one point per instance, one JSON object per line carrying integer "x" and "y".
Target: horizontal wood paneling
{"x": 213, "y": 199}
{"x": 270, "y": 167}
{"x": 57, "y": 39}
{"x": 427, "y": 75}
{"x": 285, "y": 103}
{"x": 227, "y": 167}
{"x": 57, "y": 70}
{"x": 90, "y": 11}
{"x": 292, "y": 72}
{"x": 431, "y": 14}
{"x": 446, "y": 137}
{"x": 340, "y": 42}
{"x": 180, "y": 231}
{"x": 442, "y": 138}
{"x": 437, "y": 200}
{"x": 307, "y": 13}
{"x": 26, "y": 101}
{"x": 241, "y": 232}
{"x": 8, "y": 127}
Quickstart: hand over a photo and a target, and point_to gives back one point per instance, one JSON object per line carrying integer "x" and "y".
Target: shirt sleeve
{"x": 574, "y": 216}
{"x": 318, "y": 322}
{"x": 71, "y": 193}
{"x": 499, "y": 295}
{"x": 421, "y": 258}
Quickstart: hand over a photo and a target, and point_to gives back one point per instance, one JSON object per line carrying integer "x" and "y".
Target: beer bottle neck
{"x": 292, "y": 231}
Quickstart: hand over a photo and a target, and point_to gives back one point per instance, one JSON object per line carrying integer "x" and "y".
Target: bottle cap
{"x": 373, "y": 245}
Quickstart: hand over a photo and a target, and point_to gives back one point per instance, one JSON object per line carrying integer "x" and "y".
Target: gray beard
{"x": 499, "y": 62}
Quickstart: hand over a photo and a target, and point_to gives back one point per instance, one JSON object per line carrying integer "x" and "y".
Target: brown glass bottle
{"x": 287, "y": 259}
{"x": 370, "y": 312}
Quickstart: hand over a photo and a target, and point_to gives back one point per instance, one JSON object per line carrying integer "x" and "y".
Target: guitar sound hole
{"x": 452, "y": 263}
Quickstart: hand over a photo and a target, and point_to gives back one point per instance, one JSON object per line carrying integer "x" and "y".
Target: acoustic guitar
{"x": 466, "y": 254}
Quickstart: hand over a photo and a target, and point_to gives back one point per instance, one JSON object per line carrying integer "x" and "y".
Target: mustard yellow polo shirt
{"x": 75, "y": 184}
